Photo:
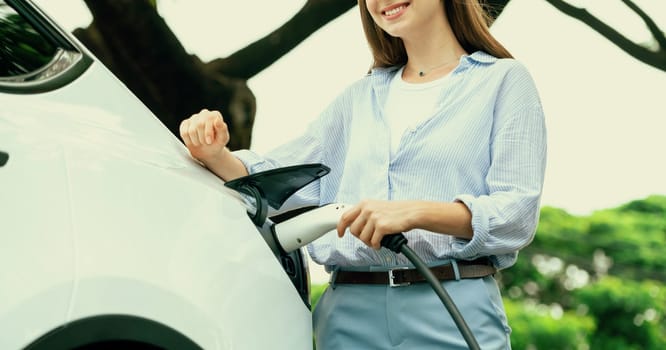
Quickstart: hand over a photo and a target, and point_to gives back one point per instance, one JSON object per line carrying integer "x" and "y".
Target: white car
{"x": 111, "y": 235}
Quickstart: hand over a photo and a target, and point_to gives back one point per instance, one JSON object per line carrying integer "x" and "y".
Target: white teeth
{"x": 394, "y": 11}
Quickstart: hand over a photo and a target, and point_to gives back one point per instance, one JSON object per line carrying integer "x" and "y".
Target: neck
{"x": 432, "y": 62}
{"x": 436, "y": 51}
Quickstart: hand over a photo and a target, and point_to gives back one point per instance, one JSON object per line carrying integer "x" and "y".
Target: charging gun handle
{"x": 305, "y": 228}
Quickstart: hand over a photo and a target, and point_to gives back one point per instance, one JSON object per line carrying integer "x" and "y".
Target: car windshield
{"x": 22, "y": 49}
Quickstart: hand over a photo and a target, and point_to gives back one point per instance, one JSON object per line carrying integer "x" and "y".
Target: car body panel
{"x": 104, "y": 212}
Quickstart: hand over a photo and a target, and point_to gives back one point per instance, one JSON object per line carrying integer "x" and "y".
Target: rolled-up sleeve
{"x": 505, "y": 219}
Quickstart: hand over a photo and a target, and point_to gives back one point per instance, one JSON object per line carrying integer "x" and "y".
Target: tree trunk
{"x": 130, "y": 38}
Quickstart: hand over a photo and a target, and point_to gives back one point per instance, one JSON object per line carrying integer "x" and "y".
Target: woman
{"x": 444, "y": 140}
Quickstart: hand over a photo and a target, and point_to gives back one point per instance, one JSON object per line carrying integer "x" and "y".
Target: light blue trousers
{"x": 358, "y": 316}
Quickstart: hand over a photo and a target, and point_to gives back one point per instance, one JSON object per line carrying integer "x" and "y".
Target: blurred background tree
{"x": 596, "y": 281}
{"x": 138, "y": 46}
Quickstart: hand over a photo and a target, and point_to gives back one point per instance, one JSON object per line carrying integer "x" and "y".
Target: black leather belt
{"x": 404, "y": 276}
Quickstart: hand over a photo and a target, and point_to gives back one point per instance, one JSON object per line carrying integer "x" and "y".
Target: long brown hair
{"x": 467, "y": 18}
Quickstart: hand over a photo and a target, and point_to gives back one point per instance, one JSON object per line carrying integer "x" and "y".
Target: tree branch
{"x": 259, "y": 55}
{"x": 127, "y": 26}
{"x": 655, "y": 59}
{"x": 657, "y": 33}
{"x": 135, "y": 42}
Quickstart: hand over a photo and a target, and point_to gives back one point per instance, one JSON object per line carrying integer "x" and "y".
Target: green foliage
{"x": 651, "y": 205}
{"x": 630, "y": 314}
{"x": 627, "y": 242}
{"x": 607, "y": 264}
{"x": 316, "y": 291}
{"x": 545, "y": 327}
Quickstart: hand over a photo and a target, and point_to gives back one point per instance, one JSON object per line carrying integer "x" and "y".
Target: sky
{"x": 604, "y": 109}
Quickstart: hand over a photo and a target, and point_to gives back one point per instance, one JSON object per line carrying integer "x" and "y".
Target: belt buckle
{"x": 392, "y": 277}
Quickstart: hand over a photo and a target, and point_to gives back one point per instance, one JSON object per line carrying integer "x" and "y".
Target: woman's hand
{"x": 205, "y": 134}
{"x": 371, "y": 220}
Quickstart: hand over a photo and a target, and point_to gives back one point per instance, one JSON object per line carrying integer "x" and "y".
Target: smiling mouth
{"x": 394, "y": 11}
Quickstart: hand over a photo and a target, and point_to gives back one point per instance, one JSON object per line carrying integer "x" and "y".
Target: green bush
{"x": 546, "y": 327}
{"x": 316, "y": 290}
{"x": 629, "y": 313}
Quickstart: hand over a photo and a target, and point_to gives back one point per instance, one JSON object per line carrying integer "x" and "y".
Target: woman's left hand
{"x": 371, "y": 220}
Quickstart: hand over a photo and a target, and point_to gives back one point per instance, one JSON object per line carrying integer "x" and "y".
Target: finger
{"x": 201, "y": 133}
{"x": 346, "y": 219}
{"x": 376, "y": 241}
{"x": 192, "y": 134}
{"x": 184, "y": 125}
{"x": 208, "y": 131}
{"x": 366, "y": 233}
{"x": 343, "y": 223}
{"x": 218, "y": 123}
{"x": 361, "y": 221}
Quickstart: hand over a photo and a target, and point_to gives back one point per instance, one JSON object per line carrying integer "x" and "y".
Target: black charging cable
{"x": 398, "y": 244}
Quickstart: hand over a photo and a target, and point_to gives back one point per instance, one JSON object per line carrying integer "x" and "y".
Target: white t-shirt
{"x": 409, "y": 104}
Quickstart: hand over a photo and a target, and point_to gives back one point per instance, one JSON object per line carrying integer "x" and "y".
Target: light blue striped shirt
{"x": 485, "y": 146}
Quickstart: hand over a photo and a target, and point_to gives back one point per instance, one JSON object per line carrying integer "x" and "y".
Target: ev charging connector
{"x": 273, "y": 187}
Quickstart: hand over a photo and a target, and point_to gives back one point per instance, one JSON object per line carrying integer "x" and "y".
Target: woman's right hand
{"x": 205, "y": 134}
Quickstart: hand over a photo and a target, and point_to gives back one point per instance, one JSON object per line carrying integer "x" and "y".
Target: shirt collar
{"x": 480, "y": 57}
{"x": 381, "y": 76}
{"x": 476, "y": 57}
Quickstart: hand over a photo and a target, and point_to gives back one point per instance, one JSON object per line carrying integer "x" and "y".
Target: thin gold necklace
{"x": 423, "y": 73}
